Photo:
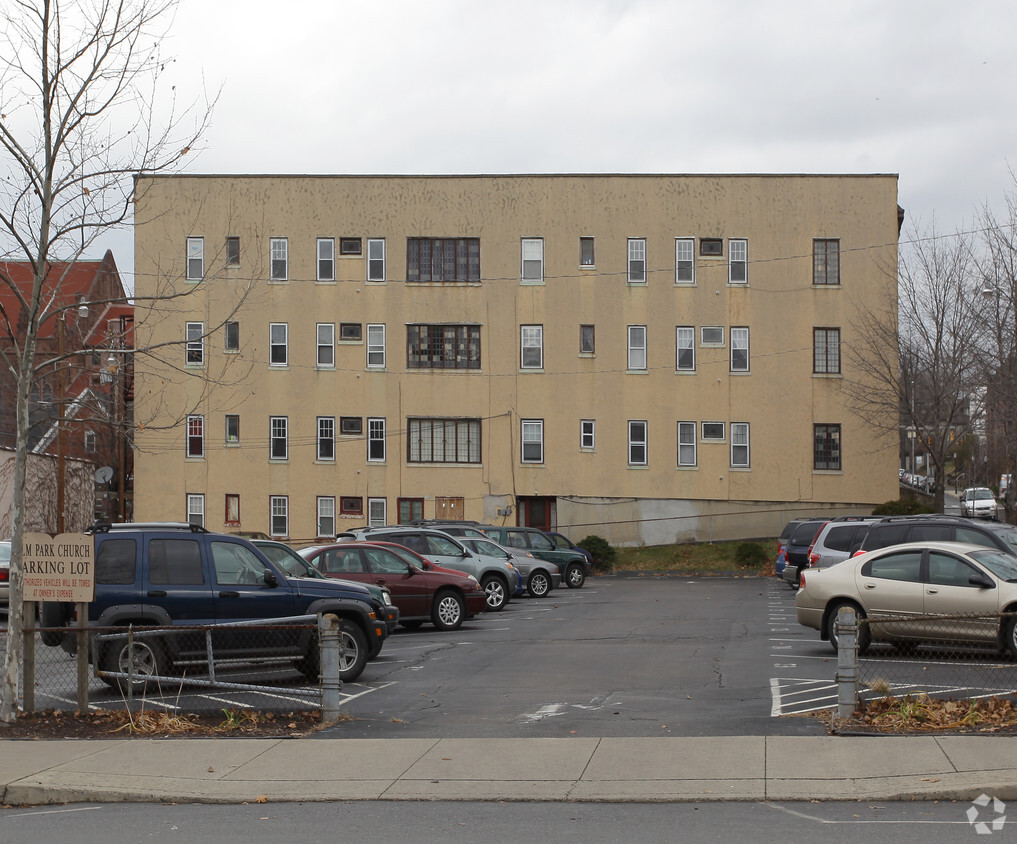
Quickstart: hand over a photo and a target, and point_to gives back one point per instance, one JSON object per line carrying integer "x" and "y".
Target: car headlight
{"x": 386, "y": 597}
{"x": 471, "y": 577}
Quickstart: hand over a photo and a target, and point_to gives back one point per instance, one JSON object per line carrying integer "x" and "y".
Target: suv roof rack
{"x": 108, "y": 527}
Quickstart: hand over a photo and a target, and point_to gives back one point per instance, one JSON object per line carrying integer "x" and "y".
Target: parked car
{"x": 171, "y": 574}
{"x": 5, "y": 573}
{"x": 572, "y": 565}
{"x": 834, "y": 540}
{"x": 781, "y": 559}
{"x": 896, "y": 530}
{"x": 539, "y": 576}
{"x": 938, "y": 586}
{"x": 978, "y": 502}
{"x": 496, "y": 577}
{"x": 444, "y": 598}
{"x": 799, "y": 544}
{"x": 563, "y": 543}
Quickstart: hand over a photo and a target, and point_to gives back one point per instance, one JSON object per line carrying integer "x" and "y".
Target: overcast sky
{"x": 923, "y": 88}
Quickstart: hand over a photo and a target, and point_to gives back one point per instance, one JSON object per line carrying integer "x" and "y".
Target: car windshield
{"x": 1008, "y": 534}
{"x": 289, "y": 561}
{"x": 486, "y": 546}
{"x": 981, "y": 494}
{"x": 1002, "y": 565}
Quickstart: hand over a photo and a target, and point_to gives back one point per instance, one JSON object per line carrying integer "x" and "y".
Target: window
{"x": 637, "y": 347}
{"x": 178, "y": 561}
{"x": 232, "y": 429}
{"x": 587, "y": 434}
{"x": 351, "y": 426}
{"x": 278, "y": 342}
{"x": 89, "y": 442}
{"x": 685, "y": 340}
{"x": 279, "y": 515}
{"x": 637, "y": 260}
{"x": 376, "y": 259}
{"x": 410, "y": 509}
{"x": 195, "y": 436}
{"x": 740, "y": 445}
{"x": 326, "y": 345}
{"x": 376, "y": 346}
{"x": 278, "y": 437}
{"x": 533, "y": 440}
{"x": 711, "y": 335}
{"x": 195, "y": 513}
{"x": 326, "y": 259}
{"x": 587, "y": 340}
{"x": 350, "y": 246}
{"x": 326, "y": 516}
{"x": 232, "y": 509}
{"x": 739, "y": 350}
{"x": 826, "y": 448}
{"x": 711, "y": 247}
{"x": 637, "y": 442}
{"x": 826, "y": 350}
{"x": 195, "y": 344}
{"x": 586, "y": 257}
{"x": 351, "y": 505}
{"x": 279, "y": 260}
{"x": 195, "y": 258}
{"x": 901, "y": 565}
{"x": 326, "y": 438}
{"x": 443, "y": 346}
{"x": 686, "y": 443}
{"x": 531, "y": 346}
{"x": 231, "y": 337}
{"x": 713, "y": 430}
{"x": 738, "y": 268}
{"x": 443, "y": 440}
{"x": 232, "y": 251}
{"x": 351, "y": 332}
{"x": 825, "y": 261}
{"x": 443, "y": 259}
{"x": 684, "y": 260}
{"x": 376, "y": 439}
{"x": 377, "y": 512}
{"x": 533, "y": 260}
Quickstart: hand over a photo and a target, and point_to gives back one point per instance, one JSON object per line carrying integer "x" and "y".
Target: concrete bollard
{"x": 846, "y": 627}
{"x": 331, "y": 683}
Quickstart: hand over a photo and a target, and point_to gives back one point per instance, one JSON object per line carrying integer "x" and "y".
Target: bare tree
{"x": 79, "y": 87}
{"x": 918, "y": 346}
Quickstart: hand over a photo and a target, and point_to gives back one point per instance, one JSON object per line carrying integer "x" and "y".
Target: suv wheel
{"x": 448, "y": 611}
{"x": 575, "y": 577}
{"x": 140, "y": 659}
{"x": 539, "y": 585}
{"x": 497, "y": 592}
{"x": 352, "y": 654}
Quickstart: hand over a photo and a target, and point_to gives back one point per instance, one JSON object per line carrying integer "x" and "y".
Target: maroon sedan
{"x": 444, "y": 598}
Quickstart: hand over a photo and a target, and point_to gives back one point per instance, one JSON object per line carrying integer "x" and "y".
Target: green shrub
{"x": 902, "y": 507}
{"x": 603, "y": 552}
{"x": 751, "y": 555}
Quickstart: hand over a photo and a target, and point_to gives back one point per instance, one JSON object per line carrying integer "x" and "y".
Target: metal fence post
{"x": 331, "y": 683}
{"x": 846, "y": 627}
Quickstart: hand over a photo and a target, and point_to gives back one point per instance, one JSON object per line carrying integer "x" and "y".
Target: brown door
{"x": 536, "y": 511}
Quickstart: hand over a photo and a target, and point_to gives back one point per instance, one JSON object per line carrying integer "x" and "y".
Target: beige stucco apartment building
{"x": 650, "y": 358}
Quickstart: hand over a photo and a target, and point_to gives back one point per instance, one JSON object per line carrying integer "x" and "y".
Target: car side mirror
{"x": 271, "y": 579}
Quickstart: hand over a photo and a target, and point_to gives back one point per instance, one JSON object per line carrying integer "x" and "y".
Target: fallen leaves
{"x": 924, "y": 713}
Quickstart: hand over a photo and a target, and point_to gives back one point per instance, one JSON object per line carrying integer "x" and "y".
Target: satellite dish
{"x": 103, "y": 474}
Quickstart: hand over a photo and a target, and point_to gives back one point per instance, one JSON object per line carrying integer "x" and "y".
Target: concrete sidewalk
{"x": 567, "y": 769}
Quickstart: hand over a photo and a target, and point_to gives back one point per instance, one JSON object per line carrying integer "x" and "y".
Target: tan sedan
{"x": 915, "y": 583}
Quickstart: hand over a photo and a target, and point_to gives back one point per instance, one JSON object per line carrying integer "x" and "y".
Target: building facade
{"x": 647, "y": 358}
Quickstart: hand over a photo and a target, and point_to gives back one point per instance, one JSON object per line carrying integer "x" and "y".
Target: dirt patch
{"x": 114, "y": 724}
{"x": 921, "y": 714}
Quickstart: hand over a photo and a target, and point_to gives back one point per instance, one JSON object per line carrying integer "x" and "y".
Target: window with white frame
{"x": 739, "y": 445}
{"x": 587, "y": 434}
{"x": 278, "y": 344}
{"x": 195, "y": 344}
{"x": 326, "y": 438}
{"x": 637, "y": 260}
{"x": 376, "y": 346}
{"x": 89, "y": 442}
{"x": 326, "y": 259}
{"x": 196, "y": 509}
{"x": 826, "y": 350}
{"x": 232, "y": 429}
{"x": 326, "y": 515}
{"x": 232, "y": 251}
{"x": 531, "y": 345}
{"x": 713, "y": 431}
{"x": 686, "y": 443}
{"x": 278, "y": 437}
{"x": 279, "y": 515}
{"x": 533, "y": 260}
{"x": 637, "y": 347}
{"x": 685, "y": 342}
{"x": 587, "y": 340}
{"x": 711, "y": 335}
{"x": 279, "y": 258}
{"x": 684, "y": 260}
{"x": 740, "y": 349}
{"x": 637, "y": 442}
{"x": 532, "y": 431}
{"x": 231, "y": 336}
{"x": 195, "y": 258}
{"x": 586, "y": 254}
{"x": 376, "y": 439}
{"x": 375, "y": 259}
{"x": 825, "y": 261}
{"x": 431, "y": 440}
{"x": 195, "y": 436}
{"x": 377, "y": 512}
{"x": 326, "y": 345}
{"x": 738, "y": 272}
